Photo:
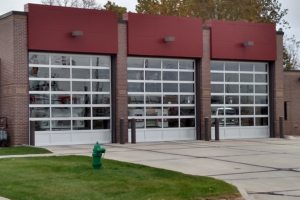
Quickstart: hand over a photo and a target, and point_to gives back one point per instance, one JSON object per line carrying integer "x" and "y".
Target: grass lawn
{"x": 21, "y": 150}
{"x": 72, "y": 178}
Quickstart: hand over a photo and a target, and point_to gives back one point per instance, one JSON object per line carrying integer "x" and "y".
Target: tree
{"x": 290, "y": 53}
{"x": 111, "y": 6}
{"x": 90, "y": 4}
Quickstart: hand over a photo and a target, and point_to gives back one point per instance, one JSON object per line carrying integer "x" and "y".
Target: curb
{"x": 244, "y": 193}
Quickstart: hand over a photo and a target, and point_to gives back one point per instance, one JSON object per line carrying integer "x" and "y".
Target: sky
{"x": 292, "y": 5}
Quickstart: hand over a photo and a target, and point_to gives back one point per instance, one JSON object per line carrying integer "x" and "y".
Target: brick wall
{"x": 14, "y": 76}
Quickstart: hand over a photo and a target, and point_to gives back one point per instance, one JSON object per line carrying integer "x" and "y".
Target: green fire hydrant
{"x": 97, "y": 155}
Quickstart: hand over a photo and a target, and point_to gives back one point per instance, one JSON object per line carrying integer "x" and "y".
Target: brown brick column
{"x": 276, "y": 88}
{"x": 119, "y": 85}
{"x": 14, "y": 97}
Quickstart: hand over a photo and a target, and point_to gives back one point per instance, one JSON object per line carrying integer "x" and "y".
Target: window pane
{"x": 186, "y": 64}
{"x": 217, "y": 88}
{"x": 246, "y": 67}
{"x": 218, "y": 111}
{"x": 80, "y": 61}
{"x": 153, "y": 111}
{"x": 247, "y": 99}
{"x": 136, "y": 111}
{"x": 101, "y": 112}
{"x": 135, "y": 99}
{"x": 60, "y": 73}
{"x": 232, "y": 122}
{"x": 231, "y": 66}
{"x": 187, "y": 99}
{"x": 186, "y": 87}
{"x": 60, "y": 60}
{"x": 81, "y": 112}
{"x": 170, "y": 76}
{"x": 261, "y": 67}
{"x": 261, "y": 111}
{"x": 81, "y": 99}
{"x": 154, "y": 123}
{"x": 232, "y": 99}
{"x": 101, "y": 99}
{"x": 246, "y": 77}
{"x": 247, "y": 121}
{"x": 81, "y": 124}
{"x": 101, "y": 124}
{"x": 261, "y": 121}
{"x": 152, "y": 63}
{"x": 170, "y": 111}
{"x": 60, "y": 99}
{"x": 42, "y": 125}
{"x": 153, "y": 99}
{"x": 60, "y": 85}
{"x": 39, "y": 99}
{"x": 231, "y": 77}
{"x": 218, "y": 77}
{"x": 232, "y": 88}
{"x": 61, "y": 112}
{"x": 100, "y": 74}
{"x": 153, "y": 87}
{"x": 261, "y": 100}
{"x": 170, "y": 64}
{"x": 139, "y": 123}
{"x": 101, "y": 86}
{"x": 135, "y": 87}
{"x": 81, "y": 86}
{"x": 170, "y": 87}
{"x": 187, "y": 76}
{"x": 246, "y": 88}
{"x": 261, "y": 89}
{"x": 232, "y": 111}
{"x": 216, "y": 65}
{"x": 247, "y": 110}
{"x": 59, "y": 125}
{"x": 135, "y": 63}
{"x": 153, "y": 75}
{"x": 221, "y": 122}
{"x": 135, "y": 75}
{"x": 170, "y": 99}
{"x": 39, "y": 85}
{"x": 102, "y": 61}
{"x": 185, "y": 111}
{"x": 217, "y": 99}
{"x": 39, "y": 72}
{"x": 261, "y": 78}
{"x": 39, "y": 112}
{"x": 38, "y": 59}
{"x": 171, "y": 123}
{"x": 81, "y": 73}
{"x": 187, "y": 122}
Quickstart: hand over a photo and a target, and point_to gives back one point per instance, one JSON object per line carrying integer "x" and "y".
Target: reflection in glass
{"x": 39, "y": 112}
{"x": 60, "y": 60}
{"x": 153, "y": 99}
{"x": 217, "y": 65}
{"x": 135, "y": 99}
{"x": 81, "y": 99}
{"x": 170, "y": 64}
{"x": 217, "y": 99}
{"x": 135, "y": 75}
{"x": 232, "y": 122}
{"x": 101, "y": 86}
{"x": 101, "y": 99}
{"x": 39, "y": 72}
{"x": 187, "y": 122}
{"x": 232, "y": 111}
{"x": 187, "y": 99}
{"x": 60, "y": 85}
{"x": 246, "y": 78}
{"x": 217, "y": 88}
{"x": 60, "y": 99}
{"x": 39, "y": 85}
{"x": 247, "y": 110}
{"x": 230, "y": 66}
{"x": 232, "y": 88}
{"x": 217, "y": 111}
{"x": 42, "y": 125}
{"x": 39, "y": 99}
{"x": 81, "y": 112}
{"x": 170, "y": 76}
{"x": 170, "y": 111}
{"x": 171, "y": 123}
{"x": 136, "y": 111}
{"x": 153, "y": 75}
{"x": 186, "y": 87}
{"x": 101, "y": 124}
{"x": 232, "y": 99}
{"x": 246, "y": 89}
{"x": 135, "y": 63}
{"x": 247, "y": 121}
{"x": 101, "y": 111}
{"x": 81, "y": 73}
{"x": 154, "y": 123}
{"x": 170, "y": 99}
{"x": 81, "y": 124}
{"x": 60, "y": 73}
{"x": 38, "y": 59}
{"x": 135, "y": 87}
{"x": 186, "y": 64}
{"x": 152, "y": 63}
{"x": 153, "y": 87}
{"x": 153, "y": 111}
{"x": 80, "y": 61}
{"x": 170, "y": 87}
{"x": 247, "y": 100}
{"x": 61, "y": 112}
{"x": 218, "y": 77}
{"x": 81, "y": 86}
{"x": 139, "y": 123}
{"x": 58, "y": 125}
{"x": 100, "y": 74}
{"x": 102, "y": 61}
{"x": 231, "y": 77}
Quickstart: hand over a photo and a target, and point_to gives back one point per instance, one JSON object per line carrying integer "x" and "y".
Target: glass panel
{"x": 232, "y": 88}
{"x": 170, "y": 87}
{"x": 38, "y": 59}
{"x": 261, "y": 67}
{"x": 135, "y": 63}
{"x": 39, "y": 112}
{"x": 232, "y": 111}
{"x": 261, "y": 89}
{"x": 170, "y": 64}
{"x": 232, "y": 77}
{"x": 136, "y": 111}
{"x": 101, "y": 112}
{"x": 170, "y": 111}
{"x": 61, "y": 112}
{"x": 231, "y": 66}
{"x": 261, "y": 100}
{"x": 261, "y": 78}
{"x": 81, "y": 86}
{"x": 152, "y": 63}
{"x": 59, "y": 125}
{"x": 81, "y": 61}
{"x": 246, "y": 78}
{"x": 232, "y": 99}
{"x": 246, "y": 89}
{"x": 39, "y": 99}
{"x": 221, "y": 122}
{"x": 60, "y": 85}
{"x": 81, "y": 112}
{"x": 186, "y": 64}
{"x": 81, "y": 124}
{"x": 135, "y": 87}
{"x": 103, "y": 61}
{"x": 153, "y": 75}
{"x": 60, "y": 99}
{"x": 247, "y": 110}
{"x": 100, "y": 74}
{"x": 153, "y": 87}
{"x": 217, "y": 99}
{"x": 101, "y": 86}
{"x": 170, "y": 99}
{"x": 42, "y": 125}
{"x": 139, "y": 123}
{"x": 39, "y": 72}
{"x": 189, "y": 122}
{"x": 101, "y": 99}
{"x": 153, "y": 111}
{"x": 135, "y": 75}
{"x": 232, "y": 122}
{"x": 218, "y": 111}
{"x": 39, "y": 85}
{"x": 186, "y": 111}
{"x": 187, "y": 76}
{"x": 81, "y": 99}
{"x": 216, "y": 65}
{"x": 171, "y": 123}
{"x": 81, "y": 73}
{"x": 153, "y": 99}
{"x": 246, "y": 67}
{"x": 247, "y": 121}
{"x": 217, "y": 88}
{"x": 261, "y": 111}
{"x": 186, "y": 87}
{"x": 247, "y": 99}
{"x": 60, "y": 60}
{"x": 101, "y": 124}
{"x": 261, "y": 121}
{"x": 187, "y": 99}
{"x": 218, "y": 77}
{"x": 60, "y": 73}
{"x": 170, "y": 76}
{"x": 135, "y": 99}
{"x": 154, "y": 123}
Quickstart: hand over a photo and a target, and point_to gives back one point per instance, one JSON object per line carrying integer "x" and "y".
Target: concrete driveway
{"x": 267, "y": 169}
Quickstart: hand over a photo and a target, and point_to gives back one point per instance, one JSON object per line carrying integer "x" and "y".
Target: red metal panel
{"x": 50, "y": 28}
{"x": 146, "y": 35}
{"x": 228, "y": 38}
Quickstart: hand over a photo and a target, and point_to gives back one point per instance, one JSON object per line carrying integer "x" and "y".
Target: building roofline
{"x": 8, "y": 14}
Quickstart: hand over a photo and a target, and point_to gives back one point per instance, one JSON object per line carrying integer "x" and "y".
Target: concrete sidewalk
{"x": 267, "y": 169}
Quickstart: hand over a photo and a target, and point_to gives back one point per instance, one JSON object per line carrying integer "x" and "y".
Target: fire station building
{"x": 76, "y": 73}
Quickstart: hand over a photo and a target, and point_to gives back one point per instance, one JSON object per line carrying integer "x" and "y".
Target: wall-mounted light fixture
{"x": 77, "y": 33}
{"x": 248, "y": 44}
{"x": 169, "y": 38}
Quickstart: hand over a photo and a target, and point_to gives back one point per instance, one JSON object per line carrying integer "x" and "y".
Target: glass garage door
{"x": 161, "y": 97}
{"x": 240, "y": 99}
{"x": 70, "y": 98}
